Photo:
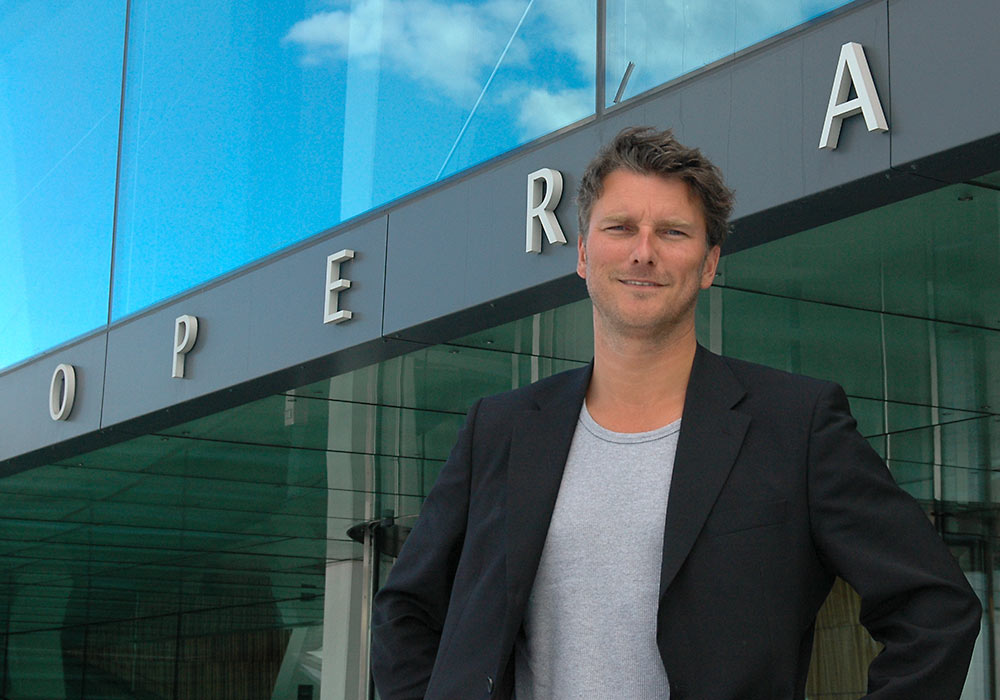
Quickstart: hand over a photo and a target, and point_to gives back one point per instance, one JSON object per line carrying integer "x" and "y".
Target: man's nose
{"x": 642, "y": 253}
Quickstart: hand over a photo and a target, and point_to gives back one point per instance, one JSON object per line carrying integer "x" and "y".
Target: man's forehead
{"x": 618, "y": 200}
{"x": 619, "y": 175}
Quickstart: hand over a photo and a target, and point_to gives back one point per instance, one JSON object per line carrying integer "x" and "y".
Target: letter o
{"x": 62, "y": 392}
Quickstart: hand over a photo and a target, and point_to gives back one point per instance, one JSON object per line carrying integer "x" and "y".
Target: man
{"x": 664, "y": 523}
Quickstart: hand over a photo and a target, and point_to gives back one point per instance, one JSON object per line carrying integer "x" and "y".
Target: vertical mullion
{"x": 601, "y": 62}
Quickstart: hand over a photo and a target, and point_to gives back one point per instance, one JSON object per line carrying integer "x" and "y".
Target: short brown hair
{"x": 646, "y": 151}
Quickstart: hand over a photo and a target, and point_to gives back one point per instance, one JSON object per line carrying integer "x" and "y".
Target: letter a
{"x": 852, "y": 69}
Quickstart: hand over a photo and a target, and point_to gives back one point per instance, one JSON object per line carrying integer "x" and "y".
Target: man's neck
{"x": 640, "y": 384}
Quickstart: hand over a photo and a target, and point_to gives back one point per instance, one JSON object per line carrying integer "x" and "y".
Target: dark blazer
{"x": 773, "y": 494}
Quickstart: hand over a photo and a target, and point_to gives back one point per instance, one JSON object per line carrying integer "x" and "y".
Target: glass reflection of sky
{"x": 249, "y": 126}
{"x": 668, "y": 38}
{"x": 60, "y": 87}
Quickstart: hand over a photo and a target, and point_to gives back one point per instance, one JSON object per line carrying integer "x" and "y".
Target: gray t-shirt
{"x": 590, "y": 625}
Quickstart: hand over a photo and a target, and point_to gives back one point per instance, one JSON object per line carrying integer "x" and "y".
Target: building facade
{"x": 259, "y": 261}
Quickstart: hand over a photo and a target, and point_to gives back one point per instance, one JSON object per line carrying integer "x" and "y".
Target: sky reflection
{"x": 250, "y": 126}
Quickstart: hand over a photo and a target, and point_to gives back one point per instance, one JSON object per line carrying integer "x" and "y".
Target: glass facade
{"x": 650, "y": 42}
{"x": 247, "y": 127}
{"x": 250, "y": 127}
{"x": 60, "y": 92}
{"x": 213, "y": 560}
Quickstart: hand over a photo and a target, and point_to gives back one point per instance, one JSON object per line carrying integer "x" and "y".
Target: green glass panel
{"x": 564, "y": 333}
{"x": 799, "y": 336}
{"x": 35, "y": 669}
{"x": 932, "y": 256}
{"x": 330, "y": 425}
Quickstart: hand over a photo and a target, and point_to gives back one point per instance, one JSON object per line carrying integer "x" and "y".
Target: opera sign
{"x": 545, "y": 188}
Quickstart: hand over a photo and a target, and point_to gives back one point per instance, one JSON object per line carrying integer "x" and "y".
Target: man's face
{"x": 646, "y": 255}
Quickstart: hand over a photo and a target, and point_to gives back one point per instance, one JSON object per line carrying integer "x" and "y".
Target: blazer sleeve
{"x": 914, "y": 597}
{"x": 409, "y": 611}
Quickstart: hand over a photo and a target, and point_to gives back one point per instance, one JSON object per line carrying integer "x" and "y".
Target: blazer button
{"x": 489, "y": 684}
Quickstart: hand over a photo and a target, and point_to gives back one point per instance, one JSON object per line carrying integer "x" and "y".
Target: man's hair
{"x": 645, "y": 151}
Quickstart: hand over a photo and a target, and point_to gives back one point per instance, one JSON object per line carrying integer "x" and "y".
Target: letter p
{"x": 185, "y": 334}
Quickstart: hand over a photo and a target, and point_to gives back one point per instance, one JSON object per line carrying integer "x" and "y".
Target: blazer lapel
{"x": 540, "y": 443}
{"x": 712, "y": 432}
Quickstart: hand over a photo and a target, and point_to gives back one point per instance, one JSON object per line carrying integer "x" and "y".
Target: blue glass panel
{"x": 60, "y": 90}
{"x": 253, "y": 125}
{"x": 665, "y": 39}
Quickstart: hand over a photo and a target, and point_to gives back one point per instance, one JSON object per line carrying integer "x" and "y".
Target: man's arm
{"x": 914, "y": 597}
{"x": 409, "y": 611}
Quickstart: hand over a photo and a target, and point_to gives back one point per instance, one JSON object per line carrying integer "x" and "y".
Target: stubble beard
{"x": 674, "y": 320}
{"x": 615, "y": 324}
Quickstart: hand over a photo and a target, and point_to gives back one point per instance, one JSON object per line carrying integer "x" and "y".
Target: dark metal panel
{"x": 267, "y": 320}
{"x": 698, "y": 111}
{"x": 464, "y": 244}
{"x": 769, "y": 129}
{"x": 25, "y": 423}
{"x": 780, "y": 98}
{"x": 859, "y": 153}
{"x": 140, "y": 352}
{"x": 286, "y": 324}
{"x": 945, "y": 72}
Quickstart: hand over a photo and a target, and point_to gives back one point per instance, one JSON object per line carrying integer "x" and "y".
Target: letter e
{"x": 335, "y": 284}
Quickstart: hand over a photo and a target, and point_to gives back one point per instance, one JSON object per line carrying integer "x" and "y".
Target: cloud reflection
{"x": 450, "y": 48}
{"x": 444, "y": 46}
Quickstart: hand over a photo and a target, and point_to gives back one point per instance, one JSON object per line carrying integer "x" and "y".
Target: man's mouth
{"x": 640, "y": 283}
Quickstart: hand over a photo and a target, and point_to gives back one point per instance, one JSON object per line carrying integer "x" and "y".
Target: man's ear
{"x": 710, "y": 265}
{"x": 581, "y": 256}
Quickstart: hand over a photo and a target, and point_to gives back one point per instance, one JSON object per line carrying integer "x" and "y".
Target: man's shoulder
{"x": 760, "y": 379}
{"x": 566, "y": 385}
{"x": 756, "y": 372}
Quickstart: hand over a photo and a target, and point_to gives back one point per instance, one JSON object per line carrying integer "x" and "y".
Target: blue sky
{"x": 58, "y": 135}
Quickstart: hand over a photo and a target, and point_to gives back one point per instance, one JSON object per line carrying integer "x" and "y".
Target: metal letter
{"x": 62, "y": 392}
{"x": 335, "y": 284}
{"x": 852, "y": 69}
{"x": 544, "y": 192}
{"x": 185, "y": 334}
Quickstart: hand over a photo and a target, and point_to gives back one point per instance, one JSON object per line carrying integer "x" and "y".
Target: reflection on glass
{"x": 665, "y": 39}
{"x": 58, "y": 147}
{"x": 251, "y": 126}
{"x": 931, "y": 256}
